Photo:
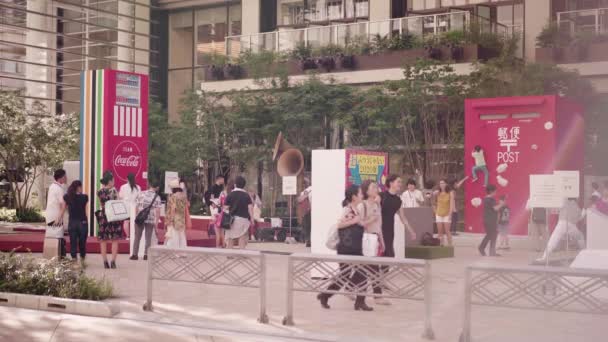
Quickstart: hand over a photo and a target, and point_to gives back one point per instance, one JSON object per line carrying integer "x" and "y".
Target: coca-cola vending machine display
{"x": 114, "y": 130}
{"x": 519, "y": 136}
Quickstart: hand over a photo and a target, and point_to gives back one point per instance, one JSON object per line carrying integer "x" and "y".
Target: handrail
{"x": 212, "y": 266}
{"x": 533, "y": 288}
{"x": 400, "y": 278}
{"x": 599, "y": 26}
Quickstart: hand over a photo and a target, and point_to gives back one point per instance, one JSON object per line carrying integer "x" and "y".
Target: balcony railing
{"x": 341, "y": 34}
{"x": 593, "y": 21}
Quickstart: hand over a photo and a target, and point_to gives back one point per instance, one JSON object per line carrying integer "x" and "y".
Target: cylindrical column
{"x": 263, "y": 316}
{"x": 428, "y": 326}
{"x": 466, "y": 328}
{"x": 288, "y": 320}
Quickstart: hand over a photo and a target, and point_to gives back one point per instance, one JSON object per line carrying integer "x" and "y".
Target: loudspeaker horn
{"x": 290, "y": 160}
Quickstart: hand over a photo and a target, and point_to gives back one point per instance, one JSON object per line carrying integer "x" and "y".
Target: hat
{"x": 174, "y": 183}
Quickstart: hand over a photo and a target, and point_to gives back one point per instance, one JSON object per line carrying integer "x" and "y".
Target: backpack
{"x": 505, "y": 214}
{"x": 428, "y": 240}
{"x": 539, "y": 215}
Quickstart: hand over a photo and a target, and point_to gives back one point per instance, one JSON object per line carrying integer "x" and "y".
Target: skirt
{"x": 176, "y": 238}
{"x": 239, "y": 227}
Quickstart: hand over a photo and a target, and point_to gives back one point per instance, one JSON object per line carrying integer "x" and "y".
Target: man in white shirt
{"x": 55, "y": 203}
{"x": 412, "y": 197}
{"x": 304, "y": 207}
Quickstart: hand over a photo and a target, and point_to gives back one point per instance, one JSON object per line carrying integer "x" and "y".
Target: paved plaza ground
{"x": 194, "y": 312}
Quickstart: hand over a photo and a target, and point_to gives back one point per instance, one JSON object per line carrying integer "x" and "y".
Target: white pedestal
{"x": 597, "y": 230}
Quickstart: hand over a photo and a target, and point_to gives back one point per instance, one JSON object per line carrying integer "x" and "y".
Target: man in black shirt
{"x": 240, "y": 206}
{"x": 490, "y": 220}
{"x": 391, "y": 205}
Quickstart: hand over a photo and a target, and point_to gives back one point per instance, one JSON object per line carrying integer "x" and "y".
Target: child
{"x": 480, "y": 165}
{"x": 490, "y": 220}
{"x": 503, "y": 226}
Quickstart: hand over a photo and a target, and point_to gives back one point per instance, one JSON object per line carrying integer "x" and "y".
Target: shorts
{"x": 443, "y": 219}
{"x": 503, "y": 228}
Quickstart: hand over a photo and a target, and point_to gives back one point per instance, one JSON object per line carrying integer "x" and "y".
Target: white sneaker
{"x": 382, "y": 301}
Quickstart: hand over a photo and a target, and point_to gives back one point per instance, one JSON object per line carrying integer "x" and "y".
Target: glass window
{"x": 291, "y": 12}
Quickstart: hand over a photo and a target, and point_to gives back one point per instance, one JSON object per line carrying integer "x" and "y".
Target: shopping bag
{"x": 333, "y": 238}
{"x": 370, "y": 244}
{"x": 116, "y": 210}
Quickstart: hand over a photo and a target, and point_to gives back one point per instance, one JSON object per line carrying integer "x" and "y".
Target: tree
{"x": 31, "y": 143}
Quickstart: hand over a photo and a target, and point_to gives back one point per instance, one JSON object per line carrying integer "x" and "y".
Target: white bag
{"x": 332, "y": 238}
{"x": 370, "y": 244}
{"x": 117, "y": 210}
{"x": 55, "y": 232}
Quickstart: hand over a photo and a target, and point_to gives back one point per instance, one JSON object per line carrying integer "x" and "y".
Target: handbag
{"x": 428, "y": 240}
{"x": 116, "y": 210}
{"x": 227, "y": 220}
{"x": 332, "y": 238}
{"x": 370, "y": 244}
{"x": 351, "y": 240}
{"x": 143, "y": 215}
{"x": 55, "y": 232}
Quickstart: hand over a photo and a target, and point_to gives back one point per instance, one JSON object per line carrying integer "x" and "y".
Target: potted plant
{"x": 327, "y": 63}
{"x": 233, "y": 71}
{"x": 347, "y": 61}
{"x": 552, "y": 40}
{"x": 432, "y": 48}
{"x": 217, "y": 72}
{"x": 454, "y": 41}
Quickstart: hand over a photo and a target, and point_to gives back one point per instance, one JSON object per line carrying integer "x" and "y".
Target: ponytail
{"x": 131, "y": 179}
{"x": 352, "y": 190}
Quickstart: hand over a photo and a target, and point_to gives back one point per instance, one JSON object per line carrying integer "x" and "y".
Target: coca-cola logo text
{"x": 127, "y": 158}
{"x": 130, "y": 161}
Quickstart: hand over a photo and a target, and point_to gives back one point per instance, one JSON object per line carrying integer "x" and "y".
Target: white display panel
{"x": 328, "y": 182}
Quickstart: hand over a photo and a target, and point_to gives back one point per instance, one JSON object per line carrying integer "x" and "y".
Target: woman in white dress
{"x": 128, "y": 192}
{"x": 177, "y": 219}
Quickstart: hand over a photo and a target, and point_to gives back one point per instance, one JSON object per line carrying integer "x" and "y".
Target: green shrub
{"x": 301, "y": 51}
{"x": 327, "y": 50}
{"x": 551, "y": 36}
{"x": 29, "y": 215}
{"x": 25, "y": 274}
{"x": 358, "y": 45}
{"x": 8, "y": 215}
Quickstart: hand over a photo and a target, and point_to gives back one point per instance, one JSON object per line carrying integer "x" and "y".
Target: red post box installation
{"x": 519, "y": 136}
{"x": 113, "y": 131}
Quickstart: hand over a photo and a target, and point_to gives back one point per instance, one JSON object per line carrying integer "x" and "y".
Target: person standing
{"x": 108, "y": 231}
{"x": 455, "y": 217}
{"x": 349, "y": 226}
{"x": 128, "y": 192}
{"x": 55, "y": 205}
{"x": 78, "y": 227}
{"x": 444, "y": 208}
{"x": 596, "y": 190}
{"x": 480, "y": 165}
{"x": 391, "y": 204}
{"x": 305, "y": 206}
{"x": 257, "y": 214}
{"x": 146, "y": 199}
{"x": 503, "y": 225}
{"x": 239, "y": 205}
{"x": 177, "y": 218}
{"x": 412, "y": 197}
{"x": 490, "y": 220}
{"x": 537, "y": 226}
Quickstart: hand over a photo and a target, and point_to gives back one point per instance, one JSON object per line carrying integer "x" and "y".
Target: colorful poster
{"x": 366, "y": 165}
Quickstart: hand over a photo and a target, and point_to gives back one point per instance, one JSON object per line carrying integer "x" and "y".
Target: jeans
{"x": 491, "y": 235}
{"x": 78, "y": 231}
{"x": 306, "y": 223}
{"x": 486, "y": 173}
{"x": 139, "y": 229}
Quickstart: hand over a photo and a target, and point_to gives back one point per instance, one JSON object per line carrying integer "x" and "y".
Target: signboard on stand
{"x": 546, "y": 191}
{"x": 570, "y": 181}
{"x": 290, "y": 185}
{"x": 169, "y": 176}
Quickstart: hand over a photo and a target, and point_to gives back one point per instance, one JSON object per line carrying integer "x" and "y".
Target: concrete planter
{"x": 597, "y": 52}
{"x": 64, "y": 305}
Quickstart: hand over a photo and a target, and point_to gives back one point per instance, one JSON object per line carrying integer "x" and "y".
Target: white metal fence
{"x": 398, "y": 278}
{"x": 535, "y": 288}
{"x": 593, "y": 21}
{"x": 213, "y": 266}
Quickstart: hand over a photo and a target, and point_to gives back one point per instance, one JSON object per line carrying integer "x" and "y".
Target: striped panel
{"x": 133, "y": 122}
{"x": 91, "y": 139}
{"x": 128, "y": 121}
{"x": 139, "y": 122}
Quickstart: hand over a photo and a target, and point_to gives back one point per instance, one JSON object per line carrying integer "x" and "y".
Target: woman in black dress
{"x": 108, "y": 231}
